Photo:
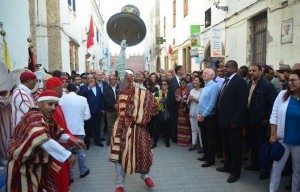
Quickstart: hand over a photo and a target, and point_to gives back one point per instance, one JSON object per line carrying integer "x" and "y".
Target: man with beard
{"x": 35, "y": 145}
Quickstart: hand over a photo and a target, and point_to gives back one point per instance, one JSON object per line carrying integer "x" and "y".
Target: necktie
{"x": 224, "y": 85}
{"x": 222, "y": 89}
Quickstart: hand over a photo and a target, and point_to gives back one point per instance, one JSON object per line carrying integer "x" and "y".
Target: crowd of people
{"x": 226, "y": 112}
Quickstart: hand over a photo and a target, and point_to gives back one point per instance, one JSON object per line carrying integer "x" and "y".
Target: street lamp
{"x": 216, "y": 4}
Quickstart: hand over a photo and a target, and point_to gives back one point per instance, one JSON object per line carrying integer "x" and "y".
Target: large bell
{"x": 126, "y": 25}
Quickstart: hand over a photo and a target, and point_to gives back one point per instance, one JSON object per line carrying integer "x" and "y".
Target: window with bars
{"x": 258, "y": 39}
{"x": 207, "y": 17}
{"x": 72, "y": 4}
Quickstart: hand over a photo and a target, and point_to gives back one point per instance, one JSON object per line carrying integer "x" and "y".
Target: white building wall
{"x": 238, "y": 31}
{"x": 276, "y": 51}
{"x": 76, "y": 25}
{"x": 41, "y": 34}
{"x": 15, "y": 17}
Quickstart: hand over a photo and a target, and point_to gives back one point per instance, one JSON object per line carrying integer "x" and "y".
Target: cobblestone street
{"x": 174, "y": 170}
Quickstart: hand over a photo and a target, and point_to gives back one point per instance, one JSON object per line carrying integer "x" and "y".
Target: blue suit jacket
{"x": 96, "y": 103}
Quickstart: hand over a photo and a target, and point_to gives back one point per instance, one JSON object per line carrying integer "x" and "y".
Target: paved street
{"x": 174, "y": 170}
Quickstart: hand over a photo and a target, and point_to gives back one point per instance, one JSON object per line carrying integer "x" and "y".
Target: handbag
{"x": 164, "y": 115}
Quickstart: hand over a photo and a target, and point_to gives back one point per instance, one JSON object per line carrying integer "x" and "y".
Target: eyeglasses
{"x": 293, "y": 80}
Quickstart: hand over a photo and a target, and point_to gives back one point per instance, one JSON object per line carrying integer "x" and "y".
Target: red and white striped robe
{"x": 131, "y": 143}
{"x": 28, "y": 167}
{"x": 21, "y": 102}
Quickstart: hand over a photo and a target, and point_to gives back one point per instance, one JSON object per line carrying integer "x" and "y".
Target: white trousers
{"x": 196, "y": 133}
{"x": 121, "y": 175}
{"x": 279, "y": 165}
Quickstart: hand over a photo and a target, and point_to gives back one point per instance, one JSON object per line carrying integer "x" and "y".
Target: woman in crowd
{"x": 184, "y": 132}
{"x": 148, "y": 83}
{"x": 163, "y": 98}
{"x": 193, "y": 101}
{"x": 285, "y": 128}
{"x": 154, "y": 79}
{"x": 188, "y": 77}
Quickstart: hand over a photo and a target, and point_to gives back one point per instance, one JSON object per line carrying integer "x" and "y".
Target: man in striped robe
{"x": 130, "y": 141}
{"x": 34, "y": 146}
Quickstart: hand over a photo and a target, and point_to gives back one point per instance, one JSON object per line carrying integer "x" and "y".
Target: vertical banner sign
{"x": 215, "y": 42}
{"x": 195, "y": 35}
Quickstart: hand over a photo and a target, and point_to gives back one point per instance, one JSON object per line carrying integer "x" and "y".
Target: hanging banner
{"x": 195, "y": 36}
{"x": 194, "y": 53}
{"x": 199, "y": 59}
{"x": 215, "y": 42}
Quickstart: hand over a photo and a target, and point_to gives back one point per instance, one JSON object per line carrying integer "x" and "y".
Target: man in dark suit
{"x": 110, "y": 95}
{"x": 174, "y": 85}
{"x": 262, "y": 95}
{"x": 232, "y": 106}
{"x": 102, "y": 84}
{"x": 94, "y": 97}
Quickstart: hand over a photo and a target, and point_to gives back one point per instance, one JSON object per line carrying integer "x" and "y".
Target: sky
{"x": 112, "y": 7}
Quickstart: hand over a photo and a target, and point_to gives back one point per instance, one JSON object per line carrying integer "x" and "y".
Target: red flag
{"x": 90, "y": 39}
{"x": 170, "y": 49}
{"x": 31, "y": 62}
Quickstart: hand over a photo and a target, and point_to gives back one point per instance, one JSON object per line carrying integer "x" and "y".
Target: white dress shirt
{"x": 76, "y": 111}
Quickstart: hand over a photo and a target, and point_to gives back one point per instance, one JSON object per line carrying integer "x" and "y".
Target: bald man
{"x": 296, "y": 66}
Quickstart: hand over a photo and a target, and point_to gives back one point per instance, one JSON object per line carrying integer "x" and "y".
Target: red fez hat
{"x": 48, "y": 95}
{"x": 64, "y": 78}
{"x": 53, "y": 82}
{"x": 27, "y": 75}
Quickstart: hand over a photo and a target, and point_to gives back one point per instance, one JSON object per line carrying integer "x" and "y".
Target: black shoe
{"x": 87, "y": 146}
{"x": 71, "y": 181}
{"x": 264, "y": 175}
{"x": 167, "y": 144}
{"x": 99, "y": 144}
{"x": 251, "y": 168}
{"x": 288, "y": 187}
{"x": 153, "y": 145}
{"x": 200, "y": 150}
{"x": 223, "y": 169}
{"x": 207, "y": 164}
{"x": 201, "y": 159}
{"x": 102, "y": 139}
{"x": 85, "y": 174}
{"x": 232, "y": 179}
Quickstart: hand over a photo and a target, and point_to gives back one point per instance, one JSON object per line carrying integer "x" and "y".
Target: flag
{"x": 6, "y": 54}
{"x": 31, "y": 62}
{"x": 90, "y": 39}
{"x": 170, "y": 49}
